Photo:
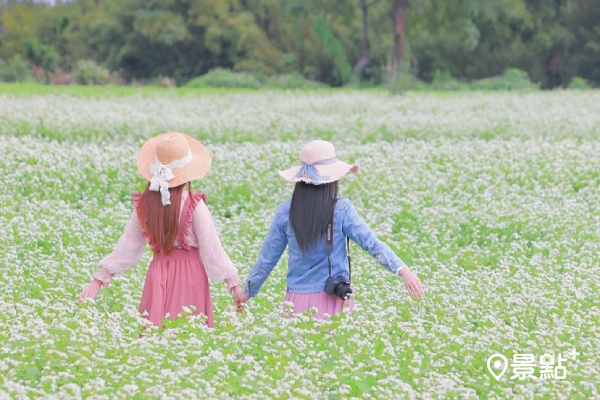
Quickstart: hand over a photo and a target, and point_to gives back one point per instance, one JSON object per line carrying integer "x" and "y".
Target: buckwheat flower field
{"x": 492, "y": 199}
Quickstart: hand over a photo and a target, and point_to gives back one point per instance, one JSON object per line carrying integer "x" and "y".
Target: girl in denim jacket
{"x": 315, "y": 224}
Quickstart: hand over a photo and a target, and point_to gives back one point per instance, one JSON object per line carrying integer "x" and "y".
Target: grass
{"x": 28, "y": 89}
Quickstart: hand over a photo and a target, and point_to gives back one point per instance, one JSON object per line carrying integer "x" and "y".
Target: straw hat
{"x": 171, "y": 159}
{"x": 319, "y": 165}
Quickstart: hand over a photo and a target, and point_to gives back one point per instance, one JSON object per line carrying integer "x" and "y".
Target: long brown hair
{"x": 310, "y": 212}
{"x": 160, "y": 222}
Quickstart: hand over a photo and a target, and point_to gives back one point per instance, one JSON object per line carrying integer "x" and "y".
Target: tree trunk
{"x": 365, "y": 59}
{"x": 398, "y": 16}
{"x": 554, "y": 60}
{"x": 553, "y": 68}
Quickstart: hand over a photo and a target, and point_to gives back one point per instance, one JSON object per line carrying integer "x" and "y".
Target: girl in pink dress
{"x": 177, "y": 225}
{"x": 316, "y": 225}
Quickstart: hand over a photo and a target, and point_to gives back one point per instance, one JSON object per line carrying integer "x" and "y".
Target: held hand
{"x": 412, "y": 282}
{"x": 90, "y": 291}
{"x": 240, "y": 298}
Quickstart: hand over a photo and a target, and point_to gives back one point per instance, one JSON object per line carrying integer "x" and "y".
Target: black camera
{"x": 339, "y": 286}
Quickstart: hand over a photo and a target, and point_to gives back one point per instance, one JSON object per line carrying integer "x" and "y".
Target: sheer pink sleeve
{"x": 103, "y": 276}
{"x": 217, "y": 263}
{"x": 127, "y": 252}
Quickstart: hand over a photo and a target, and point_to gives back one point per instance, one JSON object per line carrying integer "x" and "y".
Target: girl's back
{"x": 319, "y": 270}
{"x": 177, "y": 225}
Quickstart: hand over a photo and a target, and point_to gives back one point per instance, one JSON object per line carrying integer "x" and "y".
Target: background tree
{"x": 325, "y": 40}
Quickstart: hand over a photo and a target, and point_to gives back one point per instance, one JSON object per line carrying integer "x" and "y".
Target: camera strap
{"x": 329, "y": 243}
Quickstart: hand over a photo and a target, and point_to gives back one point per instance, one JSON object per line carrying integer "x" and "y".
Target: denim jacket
{"x": 307, "y": 273}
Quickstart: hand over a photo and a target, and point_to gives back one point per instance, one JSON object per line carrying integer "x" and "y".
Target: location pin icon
{"x": 501, "y": 363}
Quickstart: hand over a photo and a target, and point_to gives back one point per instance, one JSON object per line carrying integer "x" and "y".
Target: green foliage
{"x": 222, "y": 78}
{"x": 40, "y": 54}
{"x": 232, "y": 37}
{"x": 578, "y": 83}
{"x": 511, "y": 79}
{"x": 292, "y": 81}
{"x": 160, "y": 26}
{"x": 335, "y": 47}
{"x": 443, "y": 80}
{"x": 406, "y": 83}
{"x": 19, "y": 23}
{"x": 87, "y": 72}
{"x": 318, "y": 39}
{"x": 15, "y": 70}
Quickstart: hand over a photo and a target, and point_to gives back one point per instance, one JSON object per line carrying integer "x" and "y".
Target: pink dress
{"x": 177, "y": 279}
{"x": 325, "y": 304}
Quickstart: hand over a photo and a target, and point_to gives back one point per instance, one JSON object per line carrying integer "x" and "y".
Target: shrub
{"x": 223, "y": 78}
{"x": 443, "y": 80}
{"x": 578, "y": 83}
{"x": 405, "y": 83}
{"x": 15, "y": 70}
{"x": 160, "y": 81}
{"x": 357, "y": 83}
{"x": 292, "y": 81}
{"x": 87, "y": 72}
{"x": 511, "y": 79}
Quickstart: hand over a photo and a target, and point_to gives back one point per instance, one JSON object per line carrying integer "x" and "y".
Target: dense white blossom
{"x": 492, "y": 199}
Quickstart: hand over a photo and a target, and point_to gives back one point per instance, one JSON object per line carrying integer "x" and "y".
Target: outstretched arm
{"x": 356, "y": 229}
{"x": 127, "y": 252}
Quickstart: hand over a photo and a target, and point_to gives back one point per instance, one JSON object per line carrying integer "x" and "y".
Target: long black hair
{"x": 310, "y": 212}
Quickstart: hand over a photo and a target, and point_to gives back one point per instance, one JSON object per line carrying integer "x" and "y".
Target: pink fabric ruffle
{"x": 323, "y": 302}
{"x": 186, "y": 220}
{"x": 103, "y": 276}
{"x": 232, "y": 283}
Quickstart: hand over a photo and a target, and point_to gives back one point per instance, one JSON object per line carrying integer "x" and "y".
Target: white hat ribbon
{"x": 163, "y": 173}
{"x": 309, "y": 170}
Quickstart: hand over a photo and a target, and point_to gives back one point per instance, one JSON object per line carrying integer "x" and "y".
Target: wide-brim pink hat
{"x": 319, "y": 165}
{"x": 172, "y": 159}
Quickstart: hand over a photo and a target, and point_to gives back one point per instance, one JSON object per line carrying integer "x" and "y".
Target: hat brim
{"x": 329, "y": 173}
{"x": 196, "y": 169}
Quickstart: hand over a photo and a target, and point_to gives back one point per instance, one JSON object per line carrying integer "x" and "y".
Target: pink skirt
{"x": 323, "y": 302}
{"x": 174, "y": 281}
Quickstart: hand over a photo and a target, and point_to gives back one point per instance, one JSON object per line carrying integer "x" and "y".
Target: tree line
{"x": 330, "y": 41}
